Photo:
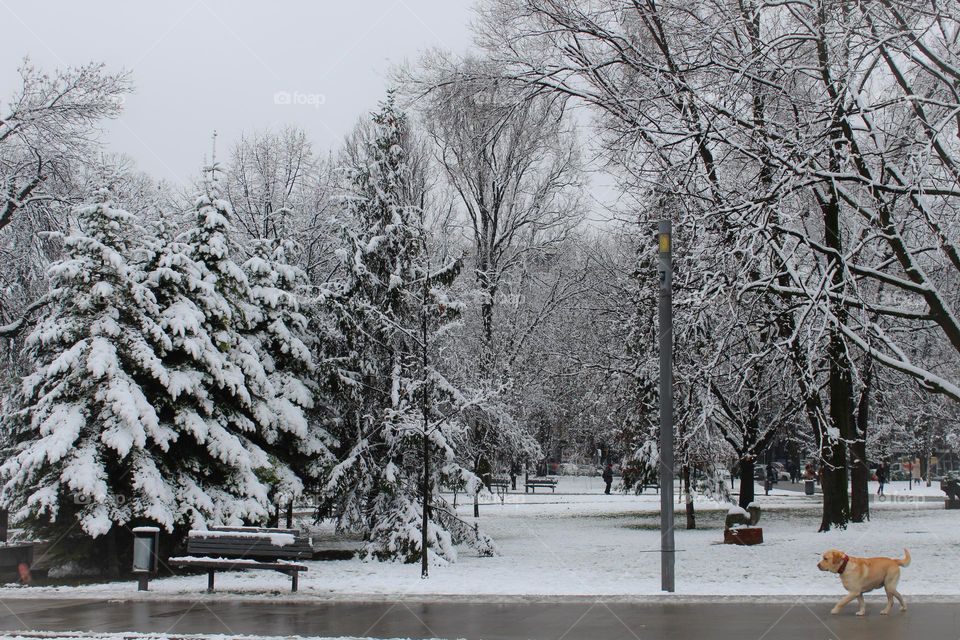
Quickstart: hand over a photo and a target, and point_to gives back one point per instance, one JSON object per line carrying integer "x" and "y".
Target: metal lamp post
{"x": 665, "y": 269}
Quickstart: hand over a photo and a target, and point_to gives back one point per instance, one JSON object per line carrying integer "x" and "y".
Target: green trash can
{"x": 808, "y": 487}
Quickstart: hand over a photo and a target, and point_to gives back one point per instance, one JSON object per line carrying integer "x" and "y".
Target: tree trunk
{"x": 836, "y": 502}
{"x": 482, "y": 471}
{"x": 746, "y": 481}
{"x": 488, "y": 293}
{"x": 836, "y": 508}
{"x": 425, "y": 408}
{"x": 691, "y": 516}
{"x": 113, "y": 554}
{"x": 424, "y": 555}
{"x": 859, "y": 471}
{"x": 833, "y": 454}
{"x": 486, "y": 319}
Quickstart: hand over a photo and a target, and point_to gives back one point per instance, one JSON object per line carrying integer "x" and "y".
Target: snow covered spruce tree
{"x": 87, "y": 438}
{"x": 166, "y": 387}
{"x": 400, "y": 423}
{"x": 240, "y": 374}
{"x": 278, "y": 331}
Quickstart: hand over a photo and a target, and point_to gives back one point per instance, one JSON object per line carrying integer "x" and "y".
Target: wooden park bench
{"x": 500, "y": 485}
{"x": 500, "y": 482}
{"x": 533, "y": 483}
{"x": 236, "y": 548}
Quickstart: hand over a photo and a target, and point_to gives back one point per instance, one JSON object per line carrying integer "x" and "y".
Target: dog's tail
{"x": 906, "y": 559}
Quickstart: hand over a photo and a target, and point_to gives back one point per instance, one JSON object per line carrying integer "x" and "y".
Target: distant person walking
{"x": 771, "y": 477}
{"x": 608, "y": 477}
{"x": 881, "y": 477}
{"x": 915, "y": 472}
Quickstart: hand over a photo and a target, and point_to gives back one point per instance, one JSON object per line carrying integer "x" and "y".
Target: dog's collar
{"x": 843, "y": 564}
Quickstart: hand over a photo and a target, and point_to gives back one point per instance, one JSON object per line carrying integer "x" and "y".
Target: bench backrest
{"x": 276, "y": 544}
{"x": 542, "y": 481}
{"x": 292, "y": 532}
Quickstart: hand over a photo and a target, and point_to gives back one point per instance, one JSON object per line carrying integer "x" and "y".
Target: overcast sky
{"x": 200, "y": 65}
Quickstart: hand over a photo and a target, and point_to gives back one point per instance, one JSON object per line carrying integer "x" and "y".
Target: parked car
{"x": 781, "y": 470}
{"x": 780, "y": 473}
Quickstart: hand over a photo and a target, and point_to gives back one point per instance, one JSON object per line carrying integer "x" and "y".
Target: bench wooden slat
{"x": 227, "y": 564}
{"x": 247, "y": 548}
{"x": 291, "y": 532}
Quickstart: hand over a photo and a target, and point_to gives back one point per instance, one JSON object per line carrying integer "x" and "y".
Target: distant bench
{"x": 655, "y": 485}
{"x": 500, "y": 482}
{"x": 500, "y": 485}
{"x": 236, "y": 548}
{"x": 533, "y": 483}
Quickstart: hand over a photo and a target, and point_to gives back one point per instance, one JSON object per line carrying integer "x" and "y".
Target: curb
{"x": 374, "y": 598}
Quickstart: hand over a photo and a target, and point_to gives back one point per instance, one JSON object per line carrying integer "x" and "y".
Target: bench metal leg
{"x": 210, "y": 579}
{"x": 295, "y": 581}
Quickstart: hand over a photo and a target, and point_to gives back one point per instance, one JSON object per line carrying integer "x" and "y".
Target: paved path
{"x": 902, "y": 493}
{"x": 567, "y": 621}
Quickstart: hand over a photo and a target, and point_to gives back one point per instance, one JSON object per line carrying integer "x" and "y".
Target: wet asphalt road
{"x": 805, "y": 619}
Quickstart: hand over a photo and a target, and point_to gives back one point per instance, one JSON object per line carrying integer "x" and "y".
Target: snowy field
{"x": 580, "y": 542}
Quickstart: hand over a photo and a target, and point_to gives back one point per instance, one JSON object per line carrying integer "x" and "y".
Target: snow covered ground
{"x": 580, "y": 542}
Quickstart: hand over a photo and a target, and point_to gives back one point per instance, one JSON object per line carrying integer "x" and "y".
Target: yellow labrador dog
{"x": 860, "y": 575}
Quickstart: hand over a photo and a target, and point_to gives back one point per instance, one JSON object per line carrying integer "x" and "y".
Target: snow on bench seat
{"x": 277, "y": 539}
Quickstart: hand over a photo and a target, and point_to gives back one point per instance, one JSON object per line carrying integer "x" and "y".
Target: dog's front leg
{"x": 862, "y": 611}
{"x": 843, "y": 602}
